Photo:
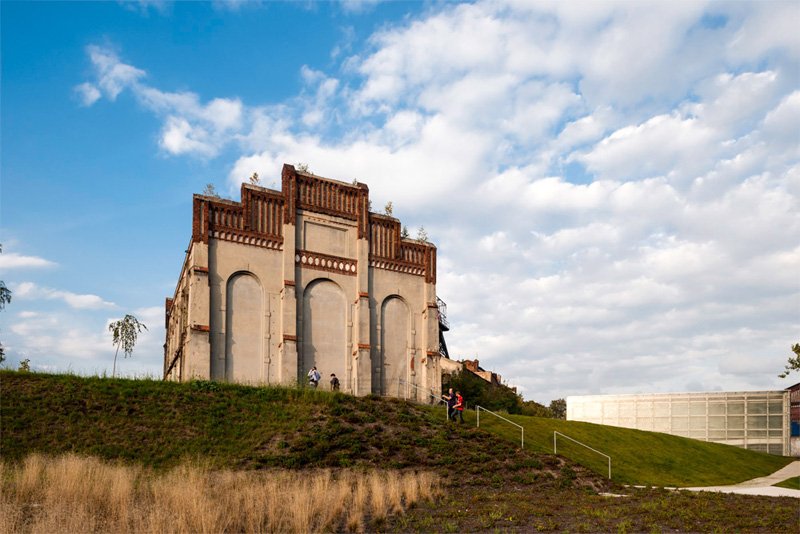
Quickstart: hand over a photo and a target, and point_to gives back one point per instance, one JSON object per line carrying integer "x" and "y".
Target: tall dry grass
{"x": 73, "y": 493}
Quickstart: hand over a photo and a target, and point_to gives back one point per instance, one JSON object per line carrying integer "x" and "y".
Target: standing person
{"x": 459, "y": 406}
{"x": 334, "y": 382}
{"x": 313, "y": 377}
{"x": 451, "y": 402}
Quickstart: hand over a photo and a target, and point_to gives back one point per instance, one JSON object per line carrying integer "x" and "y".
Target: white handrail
{"x": 405, "y": 396}
{"x": 522, "y": 430}
{"x": 555, "y": 448}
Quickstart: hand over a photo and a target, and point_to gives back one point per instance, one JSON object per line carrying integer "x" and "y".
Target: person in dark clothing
{"x": 334, "y": 383}
{"x": 459, "y": 407}
{"x": 451, "y": 402}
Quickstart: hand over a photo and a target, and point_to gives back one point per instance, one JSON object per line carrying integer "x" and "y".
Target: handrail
{"x": 478, "y": 409}
{"x": 405, "y": 396}
{"x": 555, "y": 448}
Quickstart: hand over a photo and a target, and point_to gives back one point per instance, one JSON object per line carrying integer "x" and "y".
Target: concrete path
{"x": 762, "y": 485}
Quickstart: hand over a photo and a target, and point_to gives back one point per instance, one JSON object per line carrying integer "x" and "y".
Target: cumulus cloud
{"x": 13, "y": 260}
{"x": 32, "y": 291}
{"x": 612, "y": 186}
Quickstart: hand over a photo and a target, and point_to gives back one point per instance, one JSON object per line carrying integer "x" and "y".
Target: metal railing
{"x": 478, "y": 409}
{"x": 555, "y": 448}
{"x": 401, "y": 382}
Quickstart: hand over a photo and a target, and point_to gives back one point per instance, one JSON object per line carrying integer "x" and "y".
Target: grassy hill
{"x": 490, "y": 484}
{"x": 639, "y": 457}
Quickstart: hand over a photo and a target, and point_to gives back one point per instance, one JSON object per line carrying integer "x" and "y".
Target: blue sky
{"x": 612, "y": 186}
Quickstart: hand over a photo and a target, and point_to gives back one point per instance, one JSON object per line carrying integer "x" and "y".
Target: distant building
{"x": 282, "y": 281}
{"x": 473, "y": 366}
{"x": 755, "y": 420}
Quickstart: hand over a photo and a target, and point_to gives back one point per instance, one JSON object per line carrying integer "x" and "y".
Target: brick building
{"x": 307, "y": 276}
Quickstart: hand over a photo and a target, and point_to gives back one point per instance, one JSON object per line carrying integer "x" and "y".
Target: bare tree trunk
{"x": 114, "y": 369}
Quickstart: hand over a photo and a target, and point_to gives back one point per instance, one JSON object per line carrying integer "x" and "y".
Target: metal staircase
{"x": 444, "y": 326}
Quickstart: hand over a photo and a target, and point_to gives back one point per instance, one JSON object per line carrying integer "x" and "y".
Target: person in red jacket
{"x": 459, "y": 407}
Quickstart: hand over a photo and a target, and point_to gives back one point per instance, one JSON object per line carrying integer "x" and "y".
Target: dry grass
{"x": 78, "y": 494}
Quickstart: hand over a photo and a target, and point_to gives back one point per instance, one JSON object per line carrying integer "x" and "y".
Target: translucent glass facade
{"x": 756, "y": 420}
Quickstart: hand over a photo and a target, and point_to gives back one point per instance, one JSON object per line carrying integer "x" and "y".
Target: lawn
{"x": 637, "y": 457}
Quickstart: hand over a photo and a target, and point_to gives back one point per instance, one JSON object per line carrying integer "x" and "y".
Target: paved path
{"x": 762, "y": 485}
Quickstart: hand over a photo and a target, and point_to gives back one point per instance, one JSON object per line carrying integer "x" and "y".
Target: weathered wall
{"x": 283, "y": 281}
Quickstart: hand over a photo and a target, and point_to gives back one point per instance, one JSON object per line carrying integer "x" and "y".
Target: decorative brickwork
{"x": 324, "y": 262}
{"x": 318, "y": 281}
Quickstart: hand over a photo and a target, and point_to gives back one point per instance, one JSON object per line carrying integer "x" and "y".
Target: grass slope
{"x": 491, "y": 485}
{"x": 162, "y": 424}
{"x": 639, "y": 457}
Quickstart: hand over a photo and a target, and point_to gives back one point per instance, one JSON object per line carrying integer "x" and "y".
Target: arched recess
{"x": 244, "y": 324}
{"x": 325, "y": 330}
{"x": 394, "y": 343}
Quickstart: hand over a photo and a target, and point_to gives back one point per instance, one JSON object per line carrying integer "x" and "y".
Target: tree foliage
{"x": 794, "y": 363}
{"x": 477, "y": 391}
{"x": 559, "y": 408}
{"x": 5, "y": 298}
{"x": 404, "y": 233}
{"x": 254, "y": 180}
{"x": 211, "y": 191}
{"x": 388, "y": 209}
{"x": 422, "y": 235}
{"x": 125, "y": 332}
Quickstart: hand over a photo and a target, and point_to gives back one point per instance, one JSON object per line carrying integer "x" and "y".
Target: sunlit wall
{"x": 756, "y": 420}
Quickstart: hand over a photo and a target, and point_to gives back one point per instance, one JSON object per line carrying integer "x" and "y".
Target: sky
{"x": 612, "y": 186}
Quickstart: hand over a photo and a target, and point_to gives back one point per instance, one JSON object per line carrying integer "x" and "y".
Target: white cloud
{"x": 112, "y": 75}
{"x": 612, "y": 186}
{"x": 13, "y": 260}
{"x": 32, "y": 291}
{"x": 88, "y": 93}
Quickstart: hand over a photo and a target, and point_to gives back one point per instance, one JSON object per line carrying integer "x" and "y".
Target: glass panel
{"x": 644, "y": 409}
{"x": 644, "y": 423}
{"x": 776, "y": 433}
{"x": 610, "y": 410}
{"x": 680, "y": 408}
{"x": 776, "y": 421}
{"x": 661, "y": 423}
{"x": 661, "y": 409}
{"x": 716, "y": 434}
{"x": 682, "y": 433}
{"x": 735, "y": 422}
{"x": 716, "y": 408}
{"x": 756, "y": 433}
{"x": 627, "y": 409}
{"x": 735, "y": 408}
{"x": 697, "y": 408}
{"x": 594, "y": 411}
{"x": 756, "y": 407}
{"x": 696, "y": 423}
{"x": 697, "y": 434}
{"x": 627, "y": 422}
{"x": 775, "y": 407}
{"x": 775, "y": 449}
{"x": 716, "y": 422}
{"x": 756, "y": 421}
{"x": 680, "y": 423}
{"x": 761, "y": 447}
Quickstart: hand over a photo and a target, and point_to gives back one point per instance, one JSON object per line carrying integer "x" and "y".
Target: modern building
{"x": 756, "y": 420}
{"x": 282, "y": 281}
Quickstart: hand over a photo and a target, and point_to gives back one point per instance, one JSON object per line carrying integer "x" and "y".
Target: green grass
{"x": 638, "y": 457}
{"x": 491, "y": 484}
{"x": 789, "y": 483}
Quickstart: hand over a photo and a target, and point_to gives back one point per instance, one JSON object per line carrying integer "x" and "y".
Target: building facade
{"x": 283, "y": 281}
{"x": 756, "y": 420}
